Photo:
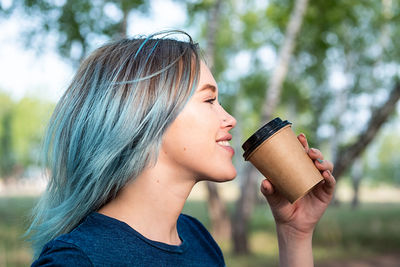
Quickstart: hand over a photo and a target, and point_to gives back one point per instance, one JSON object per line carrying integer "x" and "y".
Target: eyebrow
{"x": 208, "y": 86}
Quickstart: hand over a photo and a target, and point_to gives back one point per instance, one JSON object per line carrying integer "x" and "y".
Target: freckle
{"x": 184, "y": 149}
{"x": 158, "y": 181}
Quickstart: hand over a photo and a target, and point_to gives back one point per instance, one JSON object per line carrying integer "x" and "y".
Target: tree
{"x": 7, "y": 159}
{"x": 22, "y": 126}
{"x": 356, "y": 177}
{"x": 381, "y": 163}
{"x": 346, "y": 53}
{"x": 30, "y": 117}
{"x": 274, "y": 90}
{"x": 349, "y": 153}
{"x": 248, "y": 191}
{"x": 79, "y": 25}
{"x": 220, "y": 222}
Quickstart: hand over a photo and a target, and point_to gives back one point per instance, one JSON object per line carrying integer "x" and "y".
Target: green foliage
{"x": 7, "y": 159}
{"x": 278, "y": 13}
{"x": 385, "y": 167}
{"x": 342, "y": 36}
{"x": 77, "y": 24}
{"x": 29, "y": 123}
{"x": 253, "y": 87}
{"x": 358, "y": 39}
{"x": 22, "y": 126}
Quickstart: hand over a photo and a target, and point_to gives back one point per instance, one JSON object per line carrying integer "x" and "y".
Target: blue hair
{"x": 108, "y": 126}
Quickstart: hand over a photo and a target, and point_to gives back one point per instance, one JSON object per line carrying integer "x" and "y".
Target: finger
{"x": 303, "y": 140}
{"x": 273, "y": 197}
{"x": 267, "y": 188}
{"x": 323, "y": 165}
{"x": 330, "y": 182}
{"x": 315, "y": 154}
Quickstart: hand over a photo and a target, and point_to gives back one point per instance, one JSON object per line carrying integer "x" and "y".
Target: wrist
{"x": 295, "y": 247}
{"x": 294, "y": 234}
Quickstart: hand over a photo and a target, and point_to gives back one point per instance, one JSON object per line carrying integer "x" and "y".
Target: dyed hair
{"x": 108, "y": 126}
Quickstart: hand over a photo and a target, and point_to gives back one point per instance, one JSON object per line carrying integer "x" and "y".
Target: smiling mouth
{"x": 223, "y": 143}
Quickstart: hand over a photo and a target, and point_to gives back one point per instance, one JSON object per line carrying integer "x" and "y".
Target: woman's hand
{"x": 301, "y": 217}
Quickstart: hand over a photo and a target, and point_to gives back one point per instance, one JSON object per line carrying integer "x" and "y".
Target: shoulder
{"x": 61, "y": 253}
{"x": 189, "y": 223}
{"x": 190, "y": 220}
{"x": 97, "y": 241}
{"x": 85, "y": 245}
{"x": 195, "y": 231}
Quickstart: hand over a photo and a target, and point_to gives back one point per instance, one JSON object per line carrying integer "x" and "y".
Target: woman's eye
{"x": 212, "y": 100}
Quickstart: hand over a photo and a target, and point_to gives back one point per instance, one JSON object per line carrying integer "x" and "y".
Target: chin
{"x": 222, "y": 176}
{"x": 233, "y": 175}
{"x": 227, "y": 176}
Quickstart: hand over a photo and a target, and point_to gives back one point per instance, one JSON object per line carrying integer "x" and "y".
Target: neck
{"x": 152, "y": 203}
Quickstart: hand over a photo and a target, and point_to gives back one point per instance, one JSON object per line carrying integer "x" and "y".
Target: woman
{"x": 137, "y": 128}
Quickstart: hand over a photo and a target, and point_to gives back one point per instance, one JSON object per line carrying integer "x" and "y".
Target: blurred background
{"x": 330, "y": 67}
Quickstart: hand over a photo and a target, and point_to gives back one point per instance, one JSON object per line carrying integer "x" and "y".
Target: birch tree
{"x": 220, "y": 221}
{"x": 248, "y": 191}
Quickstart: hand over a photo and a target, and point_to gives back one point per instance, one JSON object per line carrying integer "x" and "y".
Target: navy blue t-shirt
{"x": 104, "y": 241}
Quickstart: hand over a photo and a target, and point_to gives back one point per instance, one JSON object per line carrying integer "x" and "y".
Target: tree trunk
{"x": 285, "y": 53}
{"x": 346, "y": 156}
{"x": 356, "y": 176}
{"x": 212, "y": 28}
{"x": 244, "y": 209}
{"x": 124, "y": 24}
{"x": 7, "y": 161}
{"x": 220, "y": 221}
{"x": 249, "y": 188}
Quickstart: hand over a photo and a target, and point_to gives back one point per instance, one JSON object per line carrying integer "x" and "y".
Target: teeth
{"x": 223, "y": 143}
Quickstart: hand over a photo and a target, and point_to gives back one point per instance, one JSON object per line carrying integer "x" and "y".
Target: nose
{"x": 228, "y": 120}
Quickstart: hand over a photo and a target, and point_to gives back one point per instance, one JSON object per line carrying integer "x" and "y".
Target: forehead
{"x": 206, "y": 79}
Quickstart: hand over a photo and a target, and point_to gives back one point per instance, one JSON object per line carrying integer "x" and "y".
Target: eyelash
{"x": 212, "y": 100}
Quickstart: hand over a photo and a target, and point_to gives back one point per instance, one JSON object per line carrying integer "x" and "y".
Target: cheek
{"x": 195, "y": 133}
{"x": 191, "y": 136}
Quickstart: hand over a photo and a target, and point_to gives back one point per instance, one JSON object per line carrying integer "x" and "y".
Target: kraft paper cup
{"x": 277, "y": 153}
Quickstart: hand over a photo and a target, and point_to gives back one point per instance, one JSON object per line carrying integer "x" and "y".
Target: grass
{"x": 342, "y": 233}
{"x": 347, "y": 233}
{"x": 13, "y": 221}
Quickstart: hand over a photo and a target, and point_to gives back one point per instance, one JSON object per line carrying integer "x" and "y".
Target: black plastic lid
{"x": 262, "y": 134}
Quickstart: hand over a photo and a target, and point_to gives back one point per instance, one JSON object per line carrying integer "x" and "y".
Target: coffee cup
{"x": 277, "y": 153}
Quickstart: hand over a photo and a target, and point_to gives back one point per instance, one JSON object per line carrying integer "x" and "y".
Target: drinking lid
{"x": 262, "y": 134}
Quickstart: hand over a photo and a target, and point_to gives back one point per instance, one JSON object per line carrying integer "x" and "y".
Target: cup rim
{"x": 263, "y": 134}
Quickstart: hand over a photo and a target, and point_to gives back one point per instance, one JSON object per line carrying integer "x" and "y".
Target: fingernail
{"x": 320, "y": 160}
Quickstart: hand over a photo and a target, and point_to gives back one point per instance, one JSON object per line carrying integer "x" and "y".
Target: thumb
{"x": 267, "y": 188}
{"x": 273, "y": 197}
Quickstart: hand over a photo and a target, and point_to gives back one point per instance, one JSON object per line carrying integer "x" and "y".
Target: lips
{"x": 223, "y": 142}
{"x": 227, "y": 137}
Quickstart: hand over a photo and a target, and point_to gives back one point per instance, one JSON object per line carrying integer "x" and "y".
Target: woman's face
{"x": 197, "y": 141}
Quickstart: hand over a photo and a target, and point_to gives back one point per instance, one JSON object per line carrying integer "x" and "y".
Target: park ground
{"x": 364, "y": 237}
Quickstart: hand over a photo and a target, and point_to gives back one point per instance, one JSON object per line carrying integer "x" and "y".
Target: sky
{"x": 24, "y": 72}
